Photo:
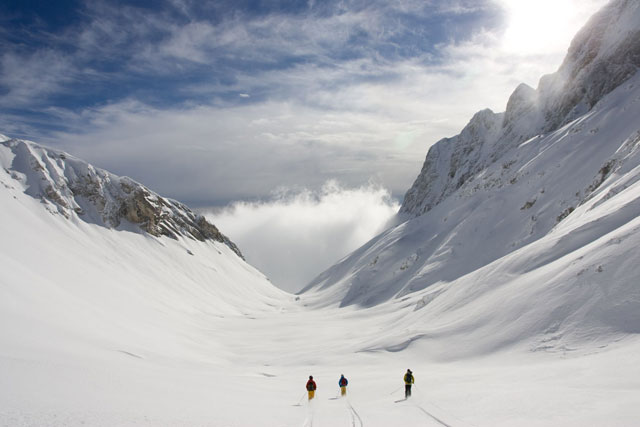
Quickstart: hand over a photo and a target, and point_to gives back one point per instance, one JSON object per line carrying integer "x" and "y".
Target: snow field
{"x": 103, "y": 327}
{"x": 261, "y": 386}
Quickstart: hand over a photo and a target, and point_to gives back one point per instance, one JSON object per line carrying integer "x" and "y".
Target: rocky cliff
{"x": 75, "y": 189}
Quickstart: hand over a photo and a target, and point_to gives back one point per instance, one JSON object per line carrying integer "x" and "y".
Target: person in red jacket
{"x": 311, "y": 387}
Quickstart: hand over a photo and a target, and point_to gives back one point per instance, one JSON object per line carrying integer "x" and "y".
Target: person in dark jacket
{"x": 342, "y": 382}
{"x": 311, "y": 387}
{"x": 408, "y": 381}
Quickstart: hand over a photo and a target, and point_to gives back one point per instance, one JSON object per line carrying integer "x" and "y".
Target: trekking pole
{"x": 300, "y": 400}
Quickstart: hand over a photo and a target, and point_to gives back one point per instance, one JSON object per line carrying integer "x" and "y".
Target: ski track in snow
{"x": 430, "y": 415}
{"x": 427, "y": 413}
{"x": 308, "y": 421}
{"x": 354, "y": 415}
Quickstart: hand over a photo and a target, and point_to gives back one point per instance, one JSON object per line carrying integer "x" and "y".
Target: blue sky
{"x": 75, "y": 55}
{"x": 212, "y": 102}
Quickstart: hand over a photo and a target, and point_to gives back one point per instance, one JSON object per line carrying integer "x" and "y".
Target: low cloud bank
{"x": 299, "y": 233}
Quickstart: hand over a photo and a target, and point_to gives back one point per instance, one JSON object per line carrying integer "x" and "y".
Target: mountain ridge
{"x": 74, "y": 188}
{"x": 603, "y": 54}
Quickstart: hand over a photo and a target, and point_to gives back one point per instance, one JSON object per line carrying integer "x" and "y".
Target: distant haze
{"x": 297, "y": 235}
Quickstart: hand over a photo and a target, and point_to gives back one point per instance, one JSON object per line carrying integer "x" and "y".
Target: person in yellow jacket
{"x": 408, "y": 381}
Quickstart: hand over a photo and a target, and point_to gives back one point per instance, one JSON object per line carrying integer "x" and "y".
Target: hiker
{"x": 408, "y": 380}
{"x": 311, "y": 387}
{"x": 342, "y": 382}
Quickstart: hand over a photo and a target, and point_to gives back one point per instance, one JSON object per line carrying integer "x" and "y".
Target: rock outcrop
{"x": 74, "y": 188}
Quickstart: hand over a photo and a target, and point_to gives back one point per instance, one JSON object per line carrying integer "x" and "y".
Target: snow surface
{"x": 102, "y": 327}
{"x": 107, "y": 327}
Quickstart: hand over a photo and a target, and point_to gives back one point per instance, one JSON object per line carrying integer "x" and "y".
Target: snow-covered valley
{"x": 114, "y": 326}
{"x": 104, "y": 327}
{"x": 509, "y": 283}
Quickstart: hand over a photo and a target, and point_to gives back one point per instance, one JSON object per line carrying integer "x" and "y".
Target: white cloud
{"x": 28, "y": 77}
{"x": 297, "y": 235}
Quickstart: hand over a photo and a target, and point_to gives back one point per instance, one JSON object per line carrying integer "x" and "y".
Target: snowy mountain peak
{"x": 481, "y": 124}
{"x": 611, "y": 34}
{"x": 603, "y": 55}
{"x": 75, "y": 189}
{"x": 522, "y": 101}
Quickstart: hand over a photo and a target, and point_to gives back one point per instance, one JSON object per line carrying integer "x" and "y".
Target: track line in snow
{"x": 354, "y": 415}
{"x": 308, "y": 421}
{"x": 432, "y": 416}
{"x": 459, "y": 421}
{"x": 441, "y": 410}
{"x": 128, "y": 353}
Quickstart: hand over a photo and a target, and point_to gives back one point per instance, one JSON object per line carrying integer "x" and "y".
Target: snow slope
{"x": 72, "y": 287}
{"x": 554, "y": 185}
{"x": 58, "y": 250}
